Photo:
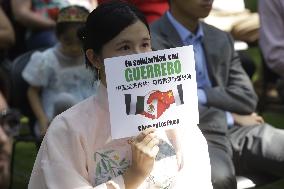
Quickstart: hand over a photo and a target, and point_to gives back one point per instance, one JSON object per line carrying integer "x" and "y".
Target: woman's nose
{"x": 138, "y": 50}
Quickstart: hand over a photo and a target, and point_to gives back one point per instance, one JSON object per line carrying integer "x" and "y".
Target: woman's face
{"x": 132, "y": 40}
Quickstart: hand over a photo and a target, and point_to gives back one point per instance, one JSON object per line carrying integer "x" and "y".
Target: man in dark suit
{"x": 225, "y": 95}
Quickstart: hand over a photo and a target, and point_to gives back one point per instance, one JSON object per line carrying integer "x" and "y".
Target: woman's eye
{"x": 124, "y": 48}
{"x": 145, "y": 45}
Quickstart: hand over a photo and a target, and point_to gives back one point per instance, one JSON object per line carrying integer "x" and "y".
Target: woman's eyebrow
{"x": 122, "y": 42}
{"x": 146, "y": 39}
{"x": 125, "y": 41}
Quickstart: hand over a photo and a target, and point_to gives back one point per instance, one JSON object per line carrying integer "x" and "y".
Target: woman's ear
{"x": 94, "y": 59}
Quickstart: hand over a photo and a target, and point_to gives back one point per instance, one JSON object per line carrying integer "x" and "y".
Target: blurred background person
{"x": 232, "y": 16}
{"x": 5, "y": 151}
{"x": 271, "y": 39}
{"x": 152, "y": 9}
{"x": 7, "y": 39}
{"x": 88, "y": 4}
{"x": 19, "y": 46}
{"x": 39, "y": 17}
{"x": 57, "y": 76}
{"x": 239, "y": 140}
{"x": 9, "y": 122}
{"x": 7, "y": 36}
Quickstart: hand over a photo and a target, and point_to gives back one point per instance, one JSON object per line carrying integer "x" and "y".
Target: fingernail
{"x": 130, "y": 141}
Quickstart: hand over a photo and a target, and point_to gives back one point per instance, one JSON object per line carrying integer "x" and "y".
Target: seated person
{"x": 6, "y": 132}
{"x": 9, "y": 121}
{"x": 7, "y": 35}
{"x": 5, "y": 146}
{"x": 232, "y": 16}
{"x": 7, "y": 39}
{"x": 88, "y": 4}
{"x": 78, "y": 152}
{"x": 272, "y": 38}
{"x": 224, "y": 89}
{"x": 5, "y": 154}
{"x": 57, "y": 76}
{"x": 152, "y": 9}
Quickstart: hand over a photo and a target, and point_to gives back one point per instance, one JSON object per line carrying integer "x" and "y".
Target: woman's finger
{"x": 144, "y": 133}
{"x": 154, "y": 151}
{"x": 148, "y": 138}
{"x": 131, "y": 140}
{"x": 154, "y": 142}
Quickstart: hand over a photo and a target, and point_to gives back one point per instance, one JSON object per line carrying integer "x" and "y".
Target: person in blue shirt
{"x": 226, "y": 97}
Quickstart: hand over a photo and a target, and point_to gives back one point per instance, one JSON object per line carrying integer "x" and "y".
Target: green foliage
{"x": 23, "y": 164}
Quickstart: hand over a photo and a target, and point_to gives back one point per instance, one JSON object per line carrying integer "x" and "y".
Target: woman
{"x": 78, "y": 152}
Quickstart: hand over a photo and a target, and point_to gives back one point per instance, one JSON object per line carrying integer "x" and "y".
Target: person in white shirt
{"x": 232, "y": 16}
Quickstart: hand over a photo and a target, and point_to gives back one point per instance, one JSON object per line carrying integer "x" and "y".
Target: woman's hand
{"x": 247, "y": 120}
{"x": 144, "y": 150}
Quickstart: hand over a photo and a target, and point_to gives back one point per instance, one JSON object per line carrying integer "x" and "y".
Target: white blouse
{"x": 78, "y": 153}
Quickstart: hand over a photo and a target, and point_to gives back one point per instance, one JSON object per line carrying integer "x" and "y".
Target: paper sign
{"x": 155, "y": 89}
